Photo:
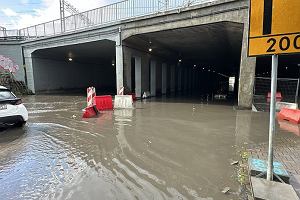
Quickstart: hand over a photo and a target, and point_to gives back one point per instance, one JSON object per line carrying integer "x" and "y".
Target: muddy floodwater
{"x": 163, "y": 149}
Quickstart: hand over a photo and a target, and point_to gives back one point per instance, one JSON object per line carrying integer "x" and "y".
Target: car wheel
{"x": 20, "y": 124}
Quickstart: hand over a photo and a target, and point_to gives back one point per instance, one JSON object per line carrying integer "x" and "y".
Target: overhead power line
{"x": 66, "y": 6}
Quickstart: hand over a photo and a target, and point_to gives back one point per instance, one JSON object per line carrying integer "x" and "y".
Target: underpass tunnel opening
{"x": 288, "y": 77}
{"x": 73, "y": 68}
{"x": 200, "y": 61}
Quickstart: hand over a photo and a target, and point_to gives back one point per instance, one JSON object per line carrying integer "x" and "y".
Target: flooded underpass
{"x": 166, "y": 148}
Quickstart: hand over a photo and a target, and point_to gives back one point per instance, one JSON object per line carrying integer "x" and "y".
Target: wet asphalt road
{"x": 163, "y": 149}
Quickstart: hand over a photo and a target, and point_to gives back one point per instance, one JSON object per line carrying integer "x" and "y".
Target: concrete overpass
{"x": 184, "y": 48}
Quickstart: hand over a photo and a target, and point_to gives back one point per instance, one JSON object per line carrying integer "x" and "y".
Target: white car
{"x": 12, "y": 110}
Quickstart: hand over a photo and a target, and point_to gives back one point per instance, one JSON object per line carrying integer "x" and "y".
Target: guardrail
{"x": 104, "y": 15}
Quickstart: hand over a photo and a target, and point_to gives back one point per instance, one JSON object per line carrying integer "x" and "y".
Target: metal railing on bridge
{"x": 126, "y": 9}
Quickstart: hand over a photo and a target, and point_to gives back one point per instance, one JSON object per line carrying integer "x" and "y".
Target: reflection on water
{"x": 162, "y": 150}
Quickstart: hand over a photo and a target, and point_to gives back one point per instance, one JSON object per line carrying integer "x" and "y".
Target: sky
{"x": 17, "y": 14}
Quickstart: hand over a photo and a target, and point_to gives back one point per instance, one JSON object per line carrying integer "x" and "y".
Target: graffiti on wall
{"x": 8, "y": 65}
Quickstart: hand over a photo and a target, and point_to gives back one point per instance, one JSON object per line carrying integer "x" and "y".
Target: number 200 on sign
{"x": 283, "y": 44}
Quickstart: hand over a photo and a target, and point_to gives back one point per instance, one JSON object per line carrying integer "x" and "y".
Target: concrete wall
{"x": 14, "y": 52}
{"x": 55, "y": 75}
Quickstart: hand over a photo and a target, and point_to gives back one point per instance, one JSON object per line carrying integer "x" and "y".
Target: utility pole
{"x": 66, "y": 6}
{"x": 62, "y": 15}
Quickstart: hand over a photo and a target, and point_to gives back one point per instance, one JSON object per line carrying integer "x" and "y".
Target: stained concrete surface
{"x": 164, "y": 149}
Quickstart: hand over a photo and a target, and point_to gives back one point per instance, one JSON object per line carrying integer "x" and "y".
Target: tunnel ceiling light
{"x": 70, "y": 59}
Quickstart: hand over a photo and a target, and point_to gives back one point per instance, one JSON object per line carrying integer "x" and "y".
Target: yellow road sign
{"x": 274, "y": 27}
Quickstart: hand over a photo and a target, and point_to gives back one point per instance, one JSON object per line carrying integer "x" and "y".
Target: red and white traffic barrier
{"x": 91, "y": 109}
{"x": 121, "y": 91}
{"x": 91, "y": 93}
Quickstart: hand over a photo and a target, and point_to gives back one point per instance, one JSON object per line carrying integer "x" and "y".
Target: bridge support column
{"x": 247, "y": 73}
{"x": 128, "y": 69}
{"x": 164, "y": 79}
{"x": 185, "y": 79}
{"x": 119, "y": 62}
{"x": 145, "y": 73}
{"x": 173, "y": 79}
{"x": 190, "y": 79}
{"x": 29, "y": 71}
{"x": 153, "y": 77}
{"x": 138, "y": 76}
{"x": 179, "y": 79}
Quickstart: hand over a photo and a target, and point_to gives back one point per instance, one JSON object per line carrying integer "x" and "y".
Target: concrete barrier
{"x": 123, "y": 101}
{"x": 280, "y": 105}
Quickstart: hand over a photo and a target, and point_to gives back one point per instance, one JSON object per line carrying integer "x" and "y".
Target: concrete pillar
{"x": 153, "y": 77}
{"x": 185, "y": 79}
{"x": 179, "y": 78}
{"x": 164, "y": 79}
{"x": 29, "y": 70}
{"x": 173, "y": 78}
{"x": 145, "y": 73}
{"x": 243, "y": 127}
{"x": 138, "y": 76}
{"x": 247, "y": 73}
{"x": 127, "y": 69}
{"x": 190, "y": 79}
{"x": 119, "y": 62}
{"x": 158, "y": 78}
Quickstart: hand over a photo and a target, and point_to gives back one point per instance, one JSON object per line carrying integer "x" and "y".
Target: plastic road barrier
{"x": 104, "y": 102}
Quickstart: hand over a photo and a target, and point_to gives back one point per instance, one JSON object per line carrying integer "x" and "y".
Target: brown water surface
{"x": 163, "y": 149}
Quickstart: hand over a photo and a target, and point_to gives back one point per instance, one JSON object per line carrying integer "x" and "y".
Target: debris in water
{"x": 234, "y": 162}
{"x": 226, "y": 190}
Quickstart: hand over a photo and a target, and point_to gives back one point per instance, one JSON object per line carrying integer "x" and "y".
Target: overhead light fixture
{"x": 180, "y": 60}
{"x": 209, "y": 70}
{"x": 286, "y": 68}
{"x": 203, "y": 68}
{"x": 150, "y": 49}
{"x": 195, "y": 65}
{"x": 70, "y": 59}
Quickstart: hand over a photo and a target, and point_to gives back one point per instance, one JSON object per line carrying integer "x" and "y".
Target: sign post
{"x": 274, "y": 29}
{"x": 272, "y": 116}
